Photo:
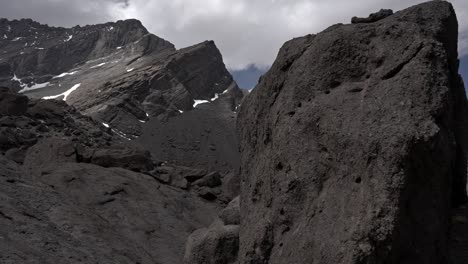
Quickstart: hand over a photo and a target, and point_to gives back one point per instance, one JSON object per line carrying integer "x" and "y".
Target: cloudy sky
{"x": 246, "y": 31}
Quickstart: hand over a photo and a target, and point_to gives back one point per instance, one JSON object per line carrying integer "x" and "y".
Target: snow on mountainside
{"x": 125, "y": 74}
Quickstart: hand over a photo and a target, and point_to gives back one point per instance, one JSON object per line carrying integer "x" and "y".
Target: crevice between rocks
{"x": 393, "y": 72}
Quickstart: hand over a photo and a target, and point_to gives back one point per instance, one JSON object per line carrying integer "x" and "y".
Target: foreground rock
{"x": 353, "y": 145}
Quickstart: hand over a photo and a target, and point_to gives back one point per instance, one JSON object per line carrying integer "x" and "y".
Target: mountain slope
{"x": 98, "y": 163}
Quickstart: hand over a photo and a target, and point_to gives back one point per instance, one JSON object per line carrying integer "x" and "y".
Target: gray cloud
{"x": 246, "y": 31}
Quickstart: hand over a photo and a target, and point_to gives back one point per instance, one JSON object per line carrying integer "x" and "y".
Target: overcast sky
{"x": 246, "y": 31}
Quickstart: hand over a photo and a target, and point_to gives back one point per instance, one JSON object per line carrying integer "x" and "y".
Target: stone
{"x": 353, "y": 145}
{"x": 206, "y": 193}
{"x": 217, "y": 244}
{"x": 211, "y": 180}
{"x": 231, "y": 214}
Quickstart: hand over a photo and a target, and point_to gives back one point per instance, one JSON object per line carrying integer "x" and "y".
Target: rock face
{"x": 353, "y": 145}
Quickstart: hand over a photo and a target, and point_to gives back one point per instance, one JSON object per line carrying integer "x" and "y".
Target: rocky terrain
{"x": 114, "y": 145}
{"x": 354, "y": 144}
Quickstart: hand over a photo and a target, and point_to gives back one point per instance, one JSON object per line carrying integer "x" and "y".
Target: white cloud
{"x": 246, "y": 31}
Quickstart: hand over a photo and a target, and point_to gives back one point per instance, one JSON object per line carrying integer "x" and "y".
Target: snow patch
{"x": 106, "y": 125}
{"x": 34, "y": 87}
{"x": 16, "y": 39}
{"x": 129, "y": 70}
{"x": 16, "y": 79}
{"x": 40, "y": 48}
{"x": 5, "y": 36}
{"x": 8, "y": 28}
{"x": 197, "y": 102}
{"x": 225, "y": 91}
{"x": 64, "y": 74}
{"x": 69, "y": 38}
{"x": 99, "y": 65}
{"x": 111, "y": 28}
{"x": 215, "y": 97}
{"x": 180, "y": 111}
{"x": 119, "y": 47}
{"x": 64, "y": 94}
{"x": 147, "y": 114}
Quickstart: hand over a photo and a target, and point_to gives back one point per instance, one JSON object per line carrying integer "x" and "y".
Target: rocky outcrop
{"x": 353, "y": 145}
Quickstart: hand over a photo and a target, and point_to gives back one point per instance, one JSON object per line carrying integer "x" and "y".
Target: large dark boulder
{"x": 353, "y": 145}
